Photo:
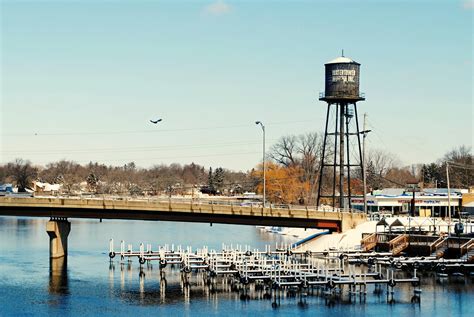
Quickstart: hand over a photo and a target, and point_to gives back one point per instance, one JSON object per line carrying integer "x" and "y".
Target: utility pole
{"x": 264, "y": 178}
{"x": 449, "y": 199}
{"x": 364, "y": 177}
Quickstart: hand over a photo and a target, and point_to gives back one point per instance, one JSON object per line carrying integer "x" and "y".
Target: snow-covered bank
{"x": 299, "y": 233}
{"x": 350, "y": 239}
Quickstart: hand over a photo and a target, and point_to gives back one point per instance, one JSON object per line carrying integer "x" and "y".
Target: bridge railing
{"x": 209, "y": 201}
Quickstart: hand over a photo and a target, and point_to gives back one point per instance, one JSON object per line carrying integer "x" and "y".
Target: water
{"x": 89, "y": 285}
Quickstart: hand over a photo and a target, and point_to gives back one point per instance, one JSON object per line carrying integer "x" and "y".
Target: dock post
{"x": 58, "y": 230}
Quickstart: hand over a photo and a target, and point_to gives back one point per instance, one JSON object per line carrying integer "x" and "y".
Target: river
{"x": 88, "y": 284}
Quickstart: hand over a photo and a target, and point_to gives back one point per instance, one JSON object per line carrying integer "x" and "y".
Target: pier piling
{"x": 58, "y": 230}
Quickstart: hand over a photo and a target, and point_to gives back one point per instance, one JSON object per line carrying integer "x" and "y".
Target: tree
{"x": 460, "y": 162}
{"x": 283, "y": 184}
{"x": 67, "y": 173}
{"x": 302, "y": 152}
{"x": 378, "y": 163}
{"x": 431, "y": 174}
{"x": 92, "y": 182}
{"x": 210, "y": 180}
{"x": 284, "y": 151}
{"x": 219, "y": 179}
{"x": 22, "y": 172}
{"x": 399, "y": 177}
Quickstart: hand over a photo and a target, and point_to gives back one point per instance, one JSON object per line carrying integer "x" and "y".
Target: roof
{"x": 443, "y": 191}
{"x": 396, "y": 192}
{"x": 389, "y": 192}
{"x": 341, "y": 60}
{"x": 6, "y": 187}
{"x": 397, "y": 223}
{"x": 382, "y": 222}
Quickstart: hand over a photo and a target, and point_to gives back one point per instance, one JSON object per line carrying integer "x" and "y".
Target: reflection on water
{"x": 148, "y": 285}
{"x": 58, "y": 276}
{"x": 159, "y": 287}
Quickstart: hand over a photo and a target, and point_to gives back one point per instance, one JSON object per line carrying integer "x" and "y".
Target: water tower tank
{"x": 342, "y": 80}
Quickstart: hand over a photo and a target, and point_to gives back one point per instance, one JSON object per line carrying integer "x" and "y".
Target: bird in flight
{"x": 155, "y": 121}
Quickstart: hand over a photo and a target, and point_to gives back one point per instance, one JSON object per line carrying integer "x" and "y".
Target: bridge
{"x": 60, "y": 209}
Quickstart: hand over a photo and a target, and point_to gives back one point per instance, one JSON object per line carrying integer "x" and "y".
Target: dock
{"x": 273, "y": 270}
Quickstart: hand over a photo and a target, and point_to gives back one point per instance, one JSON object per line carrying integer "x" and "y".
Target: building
{"x": 6, "y": 189}
{"x": 468, "y": 202}
{"x": 430, "y": 202}
{"x": 41, "y": 188}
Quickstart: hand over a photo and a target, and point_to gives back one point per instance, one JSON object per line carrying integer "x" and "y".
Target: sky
{"x": 80, "y": 80}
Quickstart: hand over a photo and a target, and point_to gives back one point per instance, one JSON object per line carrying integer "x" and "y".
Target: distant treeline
{"x": 126, "y": 179}
{"x": 292, "y": 167}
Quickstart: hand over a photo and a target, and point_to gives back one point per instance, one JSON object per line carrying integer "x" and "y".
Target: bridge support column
{"x": 58, "y": 231}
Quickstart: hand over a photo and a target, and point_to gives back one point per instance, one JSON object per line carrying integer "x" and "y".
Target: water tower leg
{"x": 58, "y": 231}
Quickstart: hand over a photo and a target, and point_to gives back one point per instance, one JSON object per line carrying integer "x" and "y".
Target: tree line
{"x": 292, "y": 167}
{"x": 124, "y": 180}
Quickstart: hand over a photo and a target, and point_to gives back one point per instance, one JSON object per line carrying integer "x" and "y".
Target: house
{"x": 41, "y": 188}
{"x": 6, "y": 189}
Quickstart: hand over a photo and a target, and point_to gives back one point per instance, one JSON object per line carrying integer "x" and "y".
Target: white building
{"x": 429, "y": 202}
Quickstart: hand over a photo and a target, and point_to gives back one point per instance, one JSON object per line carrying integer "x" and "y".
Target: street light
{"x": 263, "y": 159}
{"x": 364, "y": 175}
{"x": 449, "y": 198}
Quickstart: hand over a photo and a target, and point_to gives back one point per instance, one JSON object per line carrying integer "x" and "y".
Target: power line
{"x": 459, "y": 165}
{"x": 148, "y": 131}
{"x": 131, "y": 149}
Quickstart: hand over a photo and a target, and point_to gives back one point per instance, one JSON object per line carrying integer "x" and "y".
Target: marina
{"x": 272, "y": 270}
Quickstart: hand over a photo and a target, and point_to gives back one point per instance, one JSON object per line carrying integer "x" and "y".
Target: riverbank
{"x": 351, "y": 239}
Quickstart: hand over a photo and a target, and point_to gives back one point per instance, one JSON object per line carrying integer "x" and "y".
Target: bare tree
{"x": 378, "y": 164}
{"x": 461, "y": 161}
{"x": 381, "y": 160}
{"x": 67, "y": 173}
{"x": 302, "y": 152}
{"x": 22, "y": 172}
{"x": 284, "y": 152}
{"x": 399, "y": 177}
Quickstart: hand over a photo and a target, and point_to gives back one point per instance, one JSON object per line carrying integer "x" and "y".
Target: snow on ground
{"x": 345, "y": 241}
{"x": 299, "y": 233}
{"x": 350, "y": 239}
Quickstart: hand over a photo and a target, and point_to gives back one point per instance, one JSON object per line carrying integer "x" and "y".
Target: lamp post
{"x": 263, "y": 159}
{"x": 364, "y": 166}
{"x": 449, "y": 199}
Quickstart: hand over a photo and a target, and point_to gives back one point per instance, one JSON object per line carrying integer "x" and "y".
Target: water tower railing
{"x": 323, "y": 95}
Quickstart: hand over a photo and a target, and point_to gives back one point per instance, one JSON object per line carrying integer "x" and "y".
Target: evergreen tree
{"x": 210, "y": 180}
{"x": 219, "y": 179}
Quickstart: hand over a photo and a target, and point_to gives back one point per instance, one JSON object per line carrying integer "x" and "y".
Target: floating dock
{"x": 330, "y": 273}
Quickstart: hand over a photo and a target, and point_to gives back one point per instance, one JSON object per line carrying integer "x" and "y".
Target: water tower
{"x": 342, "y": 128}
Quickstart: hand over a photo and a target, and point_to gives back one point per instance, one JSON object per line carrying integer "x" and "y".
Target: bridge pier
{"x": 58, "y": 277}
{"x": 58, "y": 230}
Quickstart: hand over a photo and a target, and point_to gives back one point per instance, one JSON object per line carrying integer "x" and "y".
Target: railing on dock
{"x": 467, "y": 250}
{"x": 398, "y": 244}
{"x": 422, "y": 239}
{"x": 435, "y": 246}
{"x": 369, "y": 242}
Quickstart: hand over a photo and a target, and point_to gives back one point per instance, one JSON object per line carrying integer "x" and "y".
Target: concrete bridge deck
{"x": 176, "y": 210}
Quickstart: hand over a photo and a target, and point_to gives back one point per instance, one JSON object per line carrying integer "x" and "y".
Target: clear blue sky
{"x": 81, "y": 79}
